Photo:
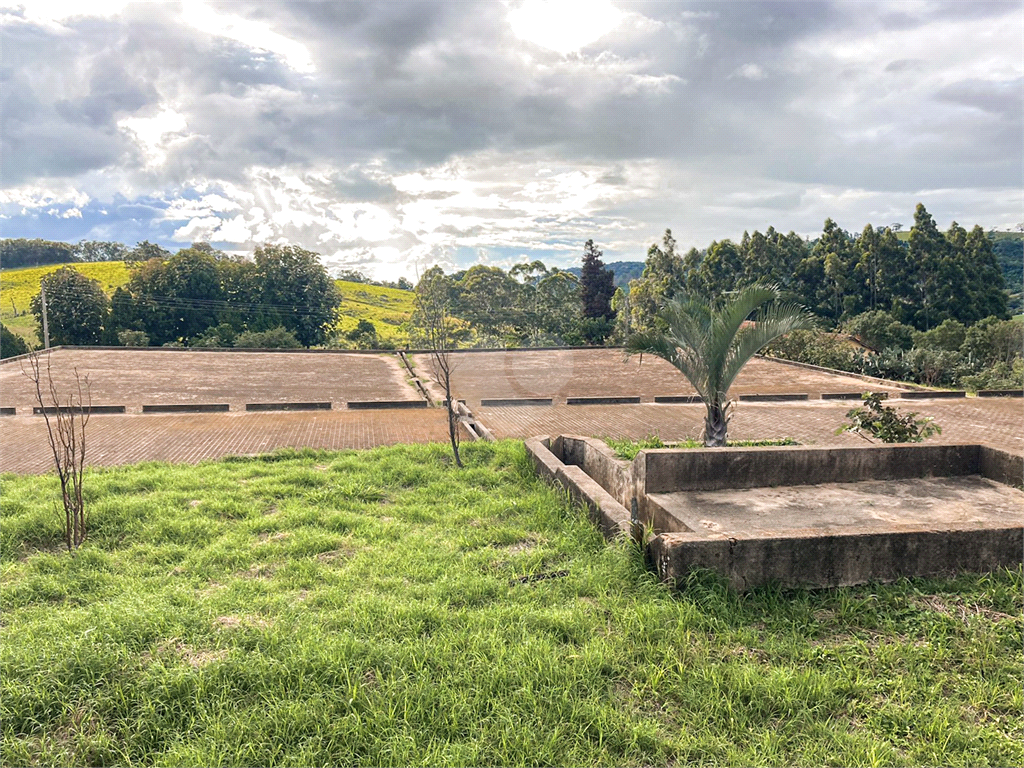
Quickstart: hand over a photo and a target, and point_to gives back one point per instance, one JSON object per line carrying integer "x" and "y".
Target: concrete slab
{"x": 914, "y": 510}
{"x": 935, "y": 503}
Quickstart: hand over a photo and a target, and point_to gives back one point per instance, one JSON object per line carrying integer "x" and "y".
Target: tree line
{"x": 923, "y": 281}
{"x": 20, "y": 252}
{"x": 197, "y": 297}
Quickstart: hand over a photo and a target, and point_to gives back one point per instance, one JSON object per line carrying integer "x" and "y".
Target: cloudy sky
{"x": 392, "y": 135}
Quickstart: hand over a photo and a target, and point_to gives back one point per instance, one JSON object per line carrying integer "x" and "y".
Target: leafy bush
{"x": 887, "y": 424}
{"x": 130, "y": 338}
{"x": 880, "y": 330}
{"x": 11, "y": 344}
{"x": 948, "y": 336}
{"x": 276, "y": 338}
{"x": 999, "y": 376}
{"x": 817, "y": 348}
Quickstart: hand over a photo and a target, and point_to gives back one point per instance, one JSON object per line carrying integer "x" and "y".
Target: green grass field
{"x": 388, "y": 309}
{"x": 384, "y": 608}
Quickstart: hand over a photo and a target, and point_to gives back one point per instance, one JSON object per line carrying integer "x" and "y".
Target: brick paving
{"x": 996, "y": 421}
{"x": 190, "y": 438}
{"x": 137, "y": 377}
{"x": 563, "y": 373}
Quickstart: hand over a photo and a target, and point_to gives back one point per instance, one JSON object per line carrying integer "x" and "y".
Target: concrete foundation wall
{"x": 804, "y": 557}
{"x": 666, "y": 470}
{"x": 837, "y": 560}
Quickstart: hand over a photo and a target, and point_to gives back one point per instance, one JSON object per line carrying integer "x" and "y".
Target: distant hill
{"x": 624, "y": 271}
{"x": 389, "y": 309}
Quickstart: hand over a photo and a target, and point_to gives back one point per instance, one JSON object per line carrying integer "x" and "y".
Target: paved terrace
{"x": 191, "y": 438}
{"x": 564, "y": 373}
{"x": 137, "y": 377}
{"x": 995, "y": 421}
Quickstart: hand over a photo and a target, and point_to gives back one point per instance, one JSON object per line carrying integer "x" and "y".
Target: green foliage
{"x": 628, "y": 449}
{"x": 367, "y": 608}
{"x": 880, "y": 330}
{"x": 11, "y": 345}
{"x": 76, "y": 306}
{"x": 709, "y": 343}
{"x": 949, "y": 335}
{"x": 597, "y": 285}
{"x": 19, "y": 252}
{"x": 129, "y": 338}
{"x": 275, "y": 338}
{"x": 887, "y": 424}
{"x": 364, "y": 336}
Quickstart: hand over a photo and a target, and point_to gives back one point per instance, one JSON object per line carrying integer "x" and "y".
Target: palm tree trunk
{"x": 716, "y": 424}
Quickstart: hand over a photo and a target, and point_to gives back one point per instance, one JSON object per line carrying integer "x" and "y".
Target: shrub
{"x": 880, "y": 330}
{"x": 817, "y": 348}
{"x": 130, "y": 338}
{"x": 11, "y": 344}
{"x": 887, "y": 424}
{"x": 948, "y": 336}
{"x": 276, "y": 338}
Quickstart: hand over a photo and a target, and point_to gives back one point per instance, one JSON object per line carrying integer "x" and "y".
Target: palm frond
{"x": 774, "y": 321}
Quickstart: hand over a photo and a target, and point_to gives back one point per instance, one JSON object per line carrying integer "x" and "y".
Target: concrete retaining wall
{"x": 618, "y": 496}
{"x": 835, "y": 560}
{"x": 665, "y": 470}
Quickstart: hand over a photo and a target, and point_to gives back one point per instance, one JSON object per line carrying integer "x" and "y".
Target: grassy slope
{"x": 362, "y": 609}
{"x": 18, "y": 286}
{"x": 387, "y": 308}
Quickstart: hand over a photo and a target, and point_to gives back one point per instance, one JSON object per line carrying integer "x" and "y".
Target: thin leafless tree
{"x": 66, "y": 419}
{"x": 438, "y": 330}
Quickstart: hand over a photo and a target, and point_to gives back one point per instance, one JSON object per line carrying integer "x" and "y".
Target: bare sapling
{"x": 438, "y": 329}
{"x": 66, "y": 420}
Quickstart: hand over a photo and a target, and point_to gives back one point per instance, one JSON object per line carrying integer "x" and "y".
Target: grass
{"x": 370, "y": 608}
{"x": 389, "y": 309}
{"x": 628, "y": 449}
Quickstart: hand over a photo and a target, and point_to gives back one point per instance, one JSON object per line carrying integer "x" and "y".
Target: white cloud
{"x": 157, "y": 134}
{"x": 255, "y": 34}
{"x": 749, "y": 72}
{"x": 564, "y": 25}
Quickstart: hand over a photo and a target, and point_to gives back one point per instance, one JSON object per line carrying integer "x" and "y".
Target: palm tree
{"x": 710, "y": 343}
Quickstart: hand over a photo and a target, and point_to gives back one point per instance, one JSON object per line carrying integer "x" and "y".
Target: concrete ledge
{"x": 841, "y": 395}
{"x": 774, "y": 398}
{"x": 609, "y": 514}
{"x": 602, "y": 400}
{"x": 821, "y": 561}
{"x": 512, "y": 402}
{"x": 686, "y": 399}
{"x": 929, "y": 394}
{"x": 666, "y": 470}
{"x": 187, "y": 408}
{"x": 7, "y": 411}
{"x": 1003, "y": 467}
{"x": 1001, "y": 393}
{"x": 382, "y": 404}
{"x": 92, "y": 409}
{"x": 287, "y": 406}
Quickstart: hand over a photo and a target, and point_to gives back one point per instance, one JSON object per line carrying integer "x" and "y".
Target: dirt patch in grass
{"x": 259, "y": 571}
{"x": 273, "y": 536}
{"x": 235, "y": 622}
{"x": 955, "y": 606}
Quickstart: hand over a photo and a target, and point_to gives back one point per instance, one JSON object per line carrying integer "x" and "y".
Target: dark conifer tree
{"x": 597, "y": 284}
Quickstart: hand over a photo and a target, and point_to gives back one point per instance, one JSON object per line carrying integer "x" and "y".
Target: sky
{"x": 391, "y": 136}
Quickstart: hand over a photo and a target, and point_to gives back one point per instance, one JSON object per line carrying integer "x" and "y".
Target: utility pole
{"x": 46, "y": 324}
